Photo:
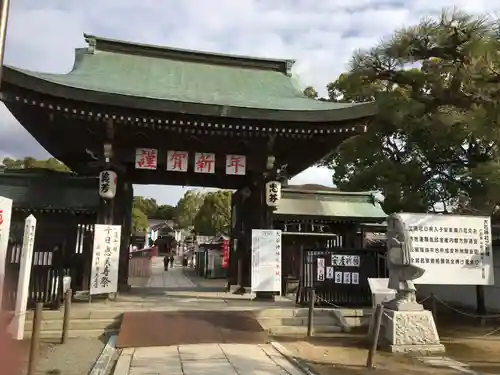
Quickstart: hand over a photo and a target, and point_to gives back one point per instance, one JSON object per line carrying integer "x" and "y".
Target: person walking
{"x": 165, "y": 262}
{"x": 171, "y": 260}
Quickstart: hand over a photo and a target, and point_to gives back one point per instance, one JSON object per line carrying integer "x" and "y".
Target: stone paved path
{"x": 205, "y": 359}
{"x": 172, "y": 279}
{"x": 172, "y": 290}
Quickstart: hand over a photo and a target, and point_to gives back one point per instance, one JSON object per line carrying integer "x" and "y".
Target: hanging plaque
{"x": 236, "y": 165}
{"x": 177, "y": 161}
{"x": 146, "y": 158}
{"x": 204, "y": 162}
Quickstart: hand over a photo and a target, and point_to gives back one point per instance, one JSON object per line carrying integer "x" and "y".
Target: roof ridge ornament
{"x": 165, "y": 52}
{"x": 289, "y": 66}
{"x": 92, "y": 43}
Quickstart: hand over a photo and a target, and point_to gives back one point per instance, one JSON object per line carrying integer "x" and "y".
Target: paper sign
{"x": 329, "y": 273}
{"x": 105, "y": 259}
{"x": 338, "y": 277}
{"x": 321, "y": 262}
{"x": 266, "y": 260}
{"x": 347, "y": 278}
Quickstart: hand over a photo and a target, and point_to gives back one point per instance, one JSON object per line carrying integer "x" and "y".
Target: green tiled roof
{"x": 156, "y": 78}
{"x": 330, "y": 204}
{"x": 49, "y": 191}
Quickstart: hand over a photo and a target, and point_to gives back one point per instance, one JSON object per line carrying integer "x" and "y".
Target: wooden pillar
{"x": 124, "y": 218}
{"x": 247, "y": 219}
{"x": 240, "y": 235}
{"x": 106, "y": 211}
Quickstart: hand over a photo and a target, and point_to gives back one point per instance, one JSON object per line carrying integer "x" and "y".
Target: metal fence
{"x": 340, "y": 276}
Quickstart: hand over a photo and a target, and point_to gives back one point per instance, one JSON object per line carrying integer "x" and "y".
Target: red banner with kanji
{"x": 225, "y": 254}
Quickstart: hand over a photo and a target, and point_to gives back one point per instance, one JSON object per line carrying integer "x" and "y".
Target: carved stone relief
{"x": 415, "y": 329}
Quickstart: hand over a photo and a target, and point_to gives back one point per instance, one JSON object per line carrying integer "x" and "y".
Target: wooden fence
{"x": 139, "y": 267}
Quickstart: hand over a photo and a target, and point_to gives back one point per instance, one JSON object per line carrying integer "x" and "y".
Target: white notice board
{"x": 105, "y": 259}
{"x": 266, "y": 260}
{"x": 453, "y": 249}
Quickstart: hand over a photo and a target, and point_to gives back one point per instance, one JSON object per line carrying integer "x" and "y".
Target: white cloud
{"x": 320, "y": 35}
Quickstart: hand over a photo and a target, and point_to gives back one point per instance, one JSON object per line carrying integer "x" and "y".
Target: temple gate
{"x": 158, "y": 115}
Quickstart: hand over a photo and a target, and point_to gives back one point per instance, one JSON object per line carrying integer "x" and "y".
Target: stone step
{"x": 77, "y": 314}
{"x": 355, "y": 312}
{"x": 358, "y": 321}
{"x": 88, "y": 333}
{"x": 76, "y": 324}
{"x": 290, "y": 313}
{"x": 300, "y": 330}
{"x": 297, "y": 321}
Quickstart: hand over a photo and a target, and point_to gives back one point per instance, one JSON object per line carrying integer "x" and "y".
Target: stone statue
{"x": 401, "y": 271}
{"x": 406, "y": 325}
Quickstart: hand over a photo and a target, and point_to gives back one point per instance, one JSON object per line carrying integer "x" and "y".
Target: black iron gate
{"x": 56, "y": 254}
{"x": 45, "y": 281}
{"x": 340, "y": 276}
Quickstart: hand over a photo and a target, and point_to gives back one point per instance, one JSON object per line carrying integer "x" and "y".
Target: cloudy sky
{"x": 320, "y": 35}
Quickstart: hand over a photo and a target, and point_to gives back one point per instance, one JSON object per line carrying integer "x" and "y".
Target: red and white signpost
{"x": 5, "y": 215}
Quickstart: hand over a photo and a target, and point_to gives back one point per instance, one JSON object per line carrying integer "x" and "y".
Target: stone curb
{"x": 292, "y": 359}
{"x": 103, "y": 362}
{"x": 122, "y": 366}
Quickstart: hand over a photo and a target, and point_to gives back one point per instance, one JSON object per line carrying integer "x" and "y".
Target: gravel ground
{"x": 344, "y": 356}
{"x": 76, "y": 357}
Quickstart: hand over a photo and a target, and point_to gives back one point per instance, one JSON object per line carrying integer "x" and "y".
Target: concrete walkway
{"x": 205, "y": 359}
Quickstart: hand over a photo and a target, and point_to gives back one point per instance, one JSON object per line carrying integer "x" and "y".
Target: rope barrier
{"x": 321, "y": 301}
{"x": 318, "y": 299}
{"x": 465, "y": 313}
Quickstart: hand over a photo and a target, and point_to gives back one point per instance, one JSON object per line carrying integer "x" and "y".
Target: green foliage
{"x": 188, "y": 207}
{"x": 214, "y": 215}
{"x": 311, "y": 92}
{"x": 165, "y": 212}
{"x": 139, "y": 221}
{"x": 435, "y": 141}
{"x": 147, "y": 205}
{"x": 148, "y": 208}
{"x": 152, "y": 210}
{"x": 29, "y": 162}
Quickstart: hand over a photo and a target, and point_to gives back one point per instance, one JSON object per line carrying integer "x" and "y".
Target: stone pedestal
{"x": 410, "y": 331}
